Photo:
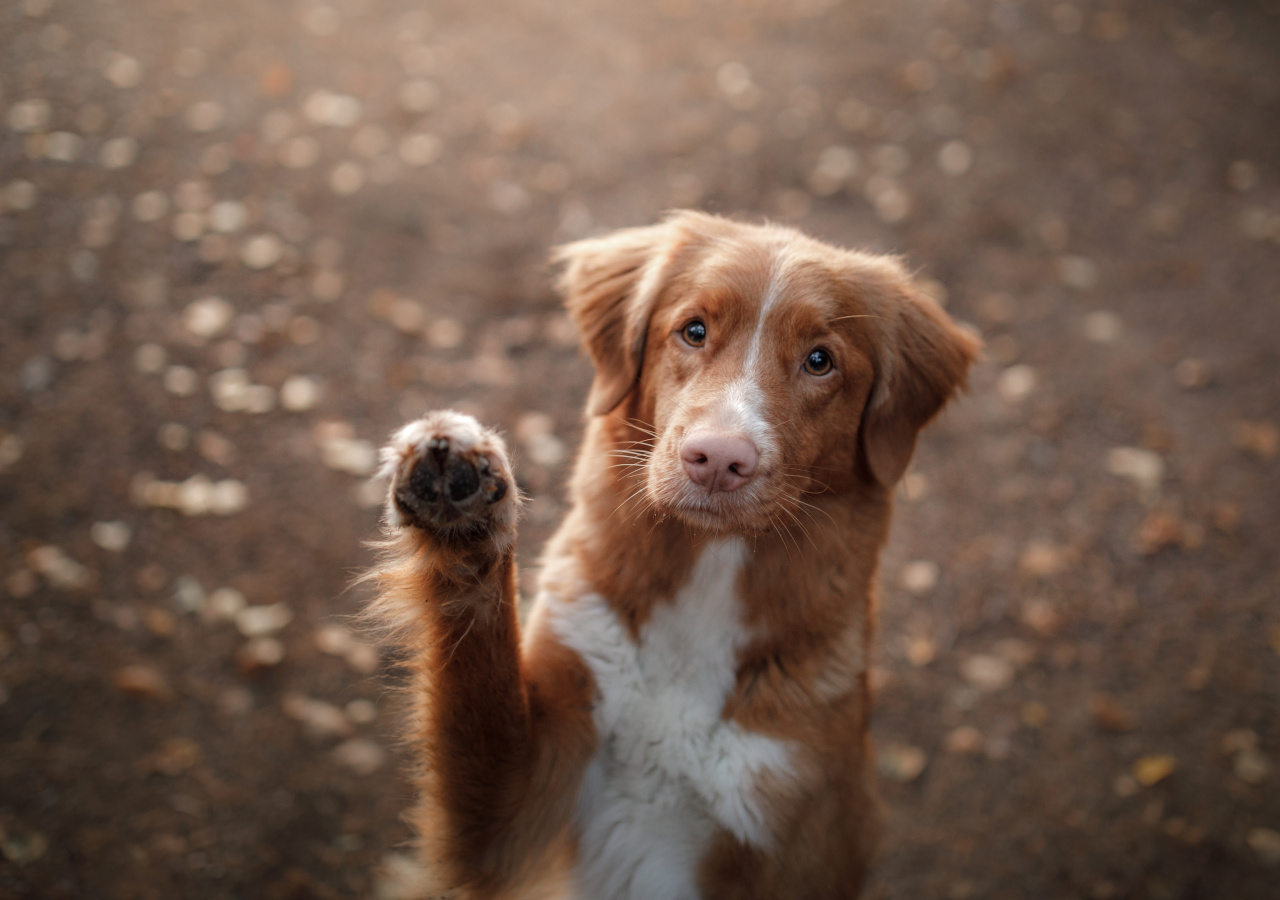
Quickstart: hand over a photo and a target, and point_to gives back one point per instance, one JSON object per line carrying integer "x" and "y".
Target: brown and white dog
{"x": 684, "y": 714}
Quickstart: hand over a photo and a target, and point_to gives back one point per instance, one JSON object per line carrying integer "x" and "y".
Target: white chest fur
{"x": 669, "y": 768}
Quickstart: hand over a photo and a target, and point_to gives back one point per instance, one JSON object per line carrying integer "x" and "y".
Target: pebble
{"x": 321, "y": 20}
{"x": 1078, "y": 272}
{"x": 1242, "y": 176}
{"x": 143, "y": 681}
{"x": 921, "y": 651}
{"x": 955, "y": 157}
{"x": 421, "y": 149}
{"x": 59, "y": 569}
{"x": 370, "y": 141}
{"x": 361, "y": 712}
{"x": 361, "y": 755}
{"x": 321, "y": 719}
{"x": 208, "y": 317}
{"x": 347, "y": 178}
{"x": 261, "y": 621}
{"x": 181, "y": 381}
{"x": 327, "y": 285}
{"x": 892, "y": 203}
{"x": 999, "y": 307}
{"x": 204, "y": 116}
{"x": 1251, "y": 766}
{"x": 901, "y": 763}
{"x": 188, "y": 226}
{"x": 63, "y": 146}
{"x": 331, "y": 109}
{"x": 11, "y": 448}
{"x": 836, "y": 165}
{"x": 1043, "y": 559}
{"x": 118, "y": 153}
{"x": 19, "y": 195}
{"x": 920, "y": 577}
{"x": 215, "y": 448}
{"x": 334, "y": 640}
{"x": 22, "y": 846}
{"x": 1103, "y": 327}
{"x": 228, "y": 216}
{"x": 262, "y": 251}
{"x": 1151, "y": 770}
{"x": 1041, "y": 616}
{"x": 235, "y": 701}
{"x": 111, "y": 536}
{"x": 351, "y": 455}
{"x": 1259, "y": 439}
{"x": 83, "y": 265}
{"x": 122, "y": 70}
{"x": 1192, "y": 374}
{"x": 37, "y": 374}
{"x": 987, "y": 673}
{"x": 160, "y": 622}
{"x": 1016, "y": 383}
{"x": 260, "y": 653}
{"x": 299, "y": 393}
{"x": 1142, "y": 467}
{"x": 446, "y": 333}
{"x": 224, "y": 604}
{"x": 189, "y": 594}
{"x": 173, "y": 436}
{"x": 400, "y": 876}
{"x": 1265, "y": 843}
{"x": 418, "y": 95}
{"x": 150, "y": 206}
{"x": 196, "y": 496}
{"x": 300, "y": 152}
{"x": 29, "y": 115}
{"x": 964, "y": 741}
{"x": 303, "y": 330}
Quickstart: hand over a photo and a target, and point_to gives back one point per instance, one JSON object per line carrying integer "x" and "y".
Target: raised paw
{"x": 450, "y": 476}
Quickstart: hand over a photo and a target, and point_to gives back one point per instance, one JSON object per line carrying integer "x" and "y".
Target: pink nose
{"x": 719, "y": 461}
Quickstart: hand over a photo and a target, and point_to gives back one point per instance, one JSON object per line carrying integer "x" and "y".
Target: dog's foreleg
{"x": 493, "y": 728}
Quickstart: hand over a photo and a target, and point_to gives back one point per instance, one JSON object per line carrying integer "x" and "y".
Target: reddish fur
{"x": 505, "y": 726}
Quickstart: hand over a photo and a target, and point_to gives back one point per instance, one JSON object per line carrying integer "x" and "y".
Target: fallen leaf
{"x": 1266, "y": 844}
{"x": 901, "y": 763}
{"x": 143, "y": 681}
{"x": 1151, "y": 770}
{"x": 1109, "y": 714}
{"x": 1258, "y": 439}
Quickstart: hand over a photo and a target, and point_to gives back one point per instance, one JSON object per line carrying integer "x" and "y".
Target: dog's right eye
{"x": 694, "y": 334}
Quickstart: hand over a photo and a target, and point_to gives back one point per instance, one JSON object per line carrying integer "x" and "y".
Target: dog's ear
{"x": 925, "y": 360}
{"x": 610, "y": 285}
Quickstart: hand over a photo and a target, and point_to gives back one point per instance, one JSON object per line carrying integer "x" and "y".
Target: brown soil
{"x": 1078, "y": 673}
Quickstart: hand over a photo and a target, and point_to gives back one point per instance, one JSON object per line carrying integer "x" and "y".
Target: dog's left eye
{"x": 694, "y": 334}
{"x": 818, "y": 362}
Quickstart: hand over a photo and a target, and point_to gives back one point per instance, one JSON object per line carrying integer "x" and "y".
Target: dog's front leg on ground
{"x": 494, "y": 726}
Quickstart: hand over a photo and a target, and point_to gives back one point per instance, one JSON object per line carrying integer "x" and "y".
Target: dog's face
{"x": 757, "y": 366}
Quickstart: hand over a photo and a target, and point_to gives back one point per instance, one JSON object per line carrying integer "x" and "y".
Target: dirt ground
{"x": 240, "y": 242}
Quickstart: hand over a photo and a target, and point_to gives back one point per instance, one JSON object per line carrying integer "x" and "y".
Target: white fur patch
{"x": 669, "y": 768}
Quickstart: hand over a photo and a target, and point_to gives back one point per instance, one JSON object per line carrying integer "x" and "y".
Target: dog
{"x": 684, "y": 714}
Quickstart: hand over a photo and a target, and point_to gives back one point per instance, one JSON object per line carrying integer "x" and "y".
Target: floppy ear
{"x": 610, "y": 286}
{"x": 925, "y": 362}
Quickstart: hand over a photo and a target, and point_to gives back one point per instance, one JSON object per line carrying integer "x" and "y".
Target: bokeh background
{"x": 240, "y": 242}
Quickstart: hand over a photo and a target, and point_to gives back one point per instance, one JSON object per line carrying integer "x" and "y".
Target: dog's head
{"x": 757, "y": 365}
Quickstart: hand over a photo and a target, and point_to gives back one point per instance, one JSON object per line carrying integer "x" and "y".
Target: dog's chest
{"x": 669, "y": 769}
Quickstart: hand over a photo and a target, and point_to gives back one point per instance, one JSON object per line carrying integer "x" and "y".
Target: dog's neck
{"x": 810, "y": 579}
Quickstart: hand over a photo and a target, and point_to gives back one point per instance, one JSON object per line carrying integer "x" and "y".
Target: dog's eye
{"x": 818, "y": 362}
{"x": 694, "y": 334}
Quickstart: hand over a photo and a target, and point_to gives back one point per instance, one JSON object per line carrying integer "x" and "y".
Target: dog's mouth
{"x": 754, "y": 509}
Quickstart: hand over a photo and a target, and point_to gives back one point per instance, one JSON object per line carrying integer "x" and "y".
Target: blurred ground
{"x": 241, "y": 242}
